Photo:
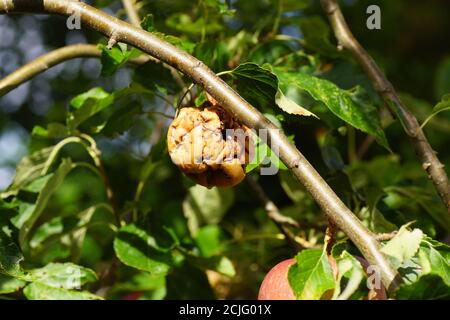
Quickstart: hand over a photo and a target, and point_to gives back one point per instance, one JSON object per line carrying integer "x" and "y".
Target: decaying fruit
{"x": 209, "y": 145}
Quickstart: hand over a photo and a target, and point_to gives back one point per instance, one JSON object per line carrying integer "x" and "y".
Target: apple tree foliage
{"x": 97, "y": 210}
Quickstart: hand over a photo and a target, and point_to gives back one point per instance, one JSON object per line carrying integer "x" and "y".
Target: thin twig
{"x": 132, "y": 12}
{"x": 322, "y": 193}
{"x": 330, "y": 236}
{"x": 51, "y": 59}
{"x": 364, "y": 147}
{"x": 96, "y": 156}
{"x": 281, "y": 221}
{"x": 386, "y": 236}
{"x": 427, "y": 156}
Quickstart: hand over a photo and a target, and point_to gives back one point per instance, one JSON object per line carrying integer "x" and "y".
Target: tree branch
{"x": 329, "y": 202}
{"x": 427, "y": 156}
{"x": 132, "y": 13}
{"x": 51, "y": 59}
{"x": 274, "y": 214}
{"x": 45, "y": 62}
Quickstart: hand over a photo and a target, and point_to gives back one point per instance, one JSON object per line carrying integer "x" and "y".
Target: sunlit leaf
{"x": 291, "y": 107}
{"x": 87, "y": 105}
{"x": 311, "y": 276}
{"x": 62, "y": 275}
{"x": 404, "y": 245}
{"x": 39, "y": 291}
{"x": 349, "y": 268}
{"x": 112, "y": 59}
{"x": 10, "y": 284}
{"x": 137, "y": 249}
{"x": 443, "y": 105}
{"x": 341, "y": 102}
{"x": 51, "y": 185}
{"x": 209, "y": 240}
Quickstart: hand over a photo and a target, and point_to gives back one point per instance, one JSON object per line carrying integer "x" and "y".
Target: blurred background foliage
{"x": 385, "y": 189}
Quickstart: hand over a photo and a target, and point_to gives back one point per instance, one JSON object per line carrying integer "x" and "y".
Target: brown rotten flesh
{"x": 209, "y": 145}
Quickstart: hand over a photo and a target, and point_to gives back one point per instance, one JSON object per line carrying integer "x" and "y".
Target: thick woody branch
{"x": 329, "y": 202}
{"x": 51, "y": 59}
{"x": 427, "y": 156}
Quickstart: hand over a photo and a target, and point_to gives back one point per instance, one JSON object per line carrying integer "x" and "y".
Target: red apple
{"x": 132, "y": 296}
{"x": 275, "y": 285}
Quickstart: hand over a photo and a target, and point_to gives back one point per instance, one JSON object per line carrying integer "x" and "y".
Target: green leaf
{"x": 427, "y": 276}
{"x": 220, "y": 264}
{"x": 62, "y": 275}
{"x": 427, "y": 287}
{"x": 404, "y": 245}
{"x": 46, "y": 230}
{"x": 70, "y": 230}
{"x": 121, "y": 120}
{"x": 209, "y": 240}
{"x": 78, "y": 236}
{"x": 148, "y": 24}
{"x": 10, "y": 256}
{"x": 88, "y": 104}
{"x": 112, "y": 59}
{"x": 9, "y": 284}
{"x": 371, "y": 213}
{"x": 417, "y": 201}
{"x": 95, "y": 94}
{"x": 214, "y": 54}
{"x": 141, "y": 281}
{"x": 316, "y": 34}
{"x": 40, "y": 291}
{"x": 37, "y": 165}
{"x": 256, "y": 84}
{"x": 206, "y": 206}
{"x": 291, "y": 107}
{"x": 53, "y": 130}
{"x": 98, "y": 100}
{"x": 220, "y": 6}
{"x": 341, "y": 102}
{"x": 443, "y": 105}
{"x": 51, "y": 185}
{"x": 183, "y": 22}
{"x": 137, "y": 249}
{"x": 156, "y": 78}
{"x": 311, "y": 276}
{"x": 264, "y": 157}
{"x": 349, "y": 268}
{"x": 30, "y": 168}
{"x": 434, "y": 258}
{"x": 201, "y": 99}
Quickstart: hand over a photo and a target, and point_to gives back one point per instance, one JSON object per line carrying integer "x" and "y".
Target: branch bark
{"x": 427, "y": 156}
{"x": 51, "y": 59}
{"x": 329, "y": 202}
